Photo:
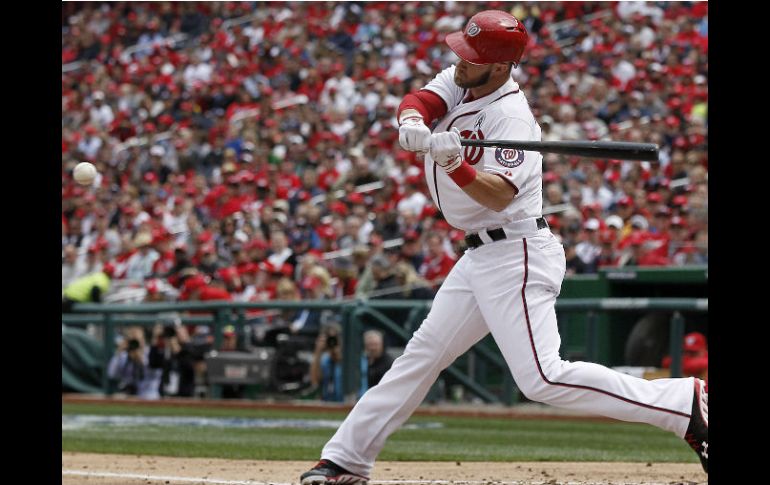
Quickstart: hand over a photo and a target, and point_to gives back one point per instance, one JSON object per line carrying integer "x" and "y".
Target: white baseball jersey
{"x": 501, "y": 115}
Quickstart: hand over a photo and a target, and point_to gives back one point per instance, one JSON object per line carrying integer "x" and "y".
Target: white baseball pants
{"x": 508, "y": 288}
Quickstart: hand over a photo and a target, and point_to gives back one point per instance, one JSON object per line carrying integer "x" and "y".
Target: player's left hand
{"x": 445, "y": 149}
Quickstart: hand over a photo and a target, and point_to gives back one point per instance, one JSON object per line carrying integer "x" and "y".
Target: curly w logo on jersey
{"x": 508, "y": 157}
{"x": 472, "y": 154}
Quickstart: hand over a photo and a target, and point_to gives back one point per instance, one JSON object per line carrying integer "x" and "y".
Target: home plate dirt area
{"x": 104, "y": 469}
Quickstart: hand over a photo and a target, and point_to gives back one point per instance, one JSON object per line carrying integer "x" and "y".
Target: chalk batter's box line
{"x": 373, "y": 482}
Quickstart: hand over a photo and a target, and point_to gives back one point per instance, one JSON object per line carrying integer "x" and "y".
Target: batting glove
{"x": 413, "y": 135}
{"x": 445, "y": 149}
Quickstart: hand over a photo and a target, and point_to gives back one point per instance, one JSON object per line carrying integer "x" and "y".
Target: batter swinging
{"x": 508, "y": 281}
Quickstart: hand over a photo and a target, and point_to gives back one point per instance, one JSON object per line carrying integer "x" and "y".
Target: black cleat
{"x": 327, "y": 472}
{"x": 697, "y": 435}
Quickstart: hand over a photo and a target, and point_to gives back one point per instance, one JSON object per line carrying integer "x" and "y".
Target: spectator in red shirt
{"x": 437, "y": 263}
{"x": 695, "y": 356}
{"x": 608, "y": 257}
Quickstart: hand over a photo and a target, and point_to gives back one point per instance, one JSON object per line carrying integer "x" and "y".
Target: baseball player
{"x": 508, "y": 280}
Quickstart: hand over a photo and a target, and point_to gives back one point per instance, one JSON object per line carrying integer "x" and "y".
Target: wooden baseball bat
{"x": 589, "y": 149}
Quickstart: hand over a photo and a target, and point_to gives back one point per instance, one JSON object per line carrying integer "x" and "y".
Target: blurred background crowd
{"x": 248, "y": 151}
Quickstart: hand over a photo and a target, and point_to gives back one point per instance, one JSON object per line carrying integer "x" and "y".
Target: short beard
{"x": 474, "y": 84}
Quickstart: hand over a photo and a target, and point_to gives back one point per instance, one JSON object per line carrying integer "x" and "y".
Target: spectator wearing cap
{"x": 140, "y": 265}
{"x": 625, "y": 210}
{"x": 589, "y": 249}
{"x": 162, "y": 243}
{"x": 615, "y": 223}
{"x": 206, "y": 259}
{"x": 156, "y": 290}
{"x": 96, "y": 256}
{"x": 642, "y": 252}
{"x": 257, "y": 249}
{"x": 339, "y": 91}
{"x": 437, "y": 262}
{"x": 609, "y": 256}
{"x": 695, "y": 356}
{"x": 302, "y": 236}
{"x": 100, "y": 113}
{"x": 207, "y": 290}
{"x": 231, "y": 280}
{"x": 654, "y": 201}
{"x": 638, "y": 225}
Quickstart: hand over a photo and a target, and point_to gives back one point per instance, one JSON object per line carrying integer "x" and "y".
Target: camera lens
{"x": 331, "y": 341}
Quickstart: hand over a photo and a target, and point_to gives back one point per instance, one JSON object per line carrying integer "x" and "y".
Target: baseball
{"x": 84, "y": 173}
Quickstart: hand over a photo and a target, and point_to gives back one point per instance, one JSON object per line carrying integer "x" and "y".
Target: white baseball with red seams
{"x": 508, "y": 288}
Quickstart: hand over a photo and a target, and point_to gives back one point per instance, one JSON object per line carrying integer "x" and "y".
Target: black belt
{"x": 474, "y": 240}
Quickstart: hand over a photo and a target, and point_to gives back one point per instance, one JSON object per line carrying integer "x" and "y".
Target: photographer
{"x": 130, "y": 367}
{"x": 171, "y": 352}
{"x": 326, "y": 368}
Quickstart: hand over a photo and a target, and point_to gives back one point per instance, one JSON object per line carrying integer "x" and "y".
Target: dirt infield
{"x": 98, "y": 469}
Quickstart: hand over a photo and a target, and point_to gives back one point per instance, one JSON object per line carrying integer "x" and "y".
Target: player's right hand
{"x": 413, "y": 135}
{"x": 445, "y": 149}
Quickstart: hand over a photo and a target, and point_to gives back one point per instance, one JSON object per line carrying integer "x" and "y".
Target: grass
{"x": 460, "y": 439}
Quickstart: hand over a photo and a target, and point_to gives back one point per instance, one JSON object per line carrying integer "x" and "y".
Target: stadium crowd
{"x": 248, "y": 151}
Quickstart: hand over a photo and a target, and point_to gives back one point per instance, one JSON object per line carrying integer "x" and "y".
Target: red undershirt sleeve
{"x": 429, "y": 104}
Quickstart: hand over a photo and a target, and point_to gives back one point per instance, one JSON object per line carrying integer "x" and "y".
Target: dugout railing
{"x": 357, "y": 315}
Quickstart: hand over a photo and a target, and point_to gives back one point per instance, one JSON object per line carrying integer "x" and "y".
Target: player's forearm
{"x": 423, "y": 103}
{"x": 490, "y": 191}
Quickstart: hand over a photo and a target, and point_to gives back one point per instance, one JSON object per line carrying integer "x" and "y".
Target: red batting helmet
{"x": 490, "y": 36}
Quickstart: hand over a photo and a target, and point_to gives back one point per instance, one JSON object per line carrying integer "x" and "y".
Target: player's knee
{"x": 540, "y": 385}
{"x": 535, "y": 390}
